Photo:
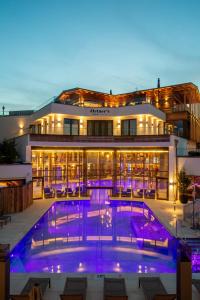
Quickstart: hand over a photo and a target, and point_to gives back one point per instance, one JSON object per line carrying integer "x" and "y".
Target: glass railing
{"x": 140, "y": 131}
{"x": 192, "y": 152}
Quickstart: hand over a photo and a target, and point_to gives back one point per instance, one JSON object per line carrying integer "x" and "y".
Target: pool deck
{"x": 22, "y": 222}
{"x": 13, "y": 232}
{"x": 95, "y": 284}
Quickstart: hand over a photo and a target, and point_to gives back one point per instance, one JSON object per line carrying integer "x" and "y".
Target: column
{"x": 28, "y": 158}
{"x": 172, "y": 173}
{"x": 149, "y": 126}
{"x": 184, "y": 273}
{"x": 4, "y": 272}
{"x": 114, "y": 177}
{"x": 84, "y": 172}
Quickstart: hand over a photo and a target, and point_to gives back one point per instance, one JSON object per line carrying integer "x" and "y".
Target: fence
{"x": 16, "y": 199}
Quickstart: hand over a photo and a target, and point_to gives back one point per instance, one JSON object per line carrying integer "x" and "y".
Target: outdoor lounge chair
{"x": 196, "y": 283}
{"x": 28, "y": 293}
{"x": 4, "y": 218}
{"x": 75, "y": 289}
{"x": 154, "y": 289}
{"x": 115, "y": 289}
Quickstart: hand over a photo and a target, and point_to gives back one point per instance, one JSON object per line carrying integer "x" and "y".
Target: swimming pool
{"x": 96, "y": 237}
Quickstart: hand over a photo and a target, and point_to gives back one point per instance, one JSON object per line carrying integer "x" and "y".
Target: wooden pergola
{"x": 185, "y": 93}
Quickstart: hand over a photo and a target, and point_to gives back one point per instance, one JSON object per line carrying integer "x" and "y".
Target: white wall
{"x": 99, "y": 113}
{"x": 12, "y": 126}
{"x": 16, "y": 171}
{"x": 190, "y": 164}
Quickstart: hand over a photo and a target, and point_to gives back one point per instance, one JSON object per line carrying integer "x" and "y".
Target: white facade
{"x": 190, "y": 164}
{"x": 12, "y": 126}
{"x": 16, "y": 172}
{"x": 150, "y": 124}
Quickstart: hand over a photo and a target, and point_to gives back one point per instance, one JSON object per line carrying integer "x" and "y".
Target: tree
{"x": 8, "y": 152}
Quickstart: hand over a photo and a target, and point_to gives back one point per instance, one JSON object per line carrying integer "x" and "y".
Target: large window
{"x": 100, "y": 128}
{"x": 128, "y": 127}
{"x": 71, "y": 127}
{"x": 182, "y": 128}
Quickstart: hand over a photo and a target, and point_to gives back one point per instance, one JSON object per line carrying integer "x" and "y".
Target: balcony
{"x": 188, "y": 152}
{"x": 99, "y": 139}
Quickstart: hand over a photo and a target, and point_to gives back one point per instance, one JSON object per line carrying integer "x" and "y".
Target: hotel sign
{"x": 99, "y": 111}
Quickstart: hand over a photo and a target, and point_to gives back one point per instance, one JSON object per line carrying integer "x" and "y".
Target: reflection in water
{"x": 96, "y": 237}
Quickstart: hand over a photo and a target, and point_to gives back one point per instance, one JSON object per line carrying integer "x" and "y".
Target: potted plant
{"x": 183, "y": 183}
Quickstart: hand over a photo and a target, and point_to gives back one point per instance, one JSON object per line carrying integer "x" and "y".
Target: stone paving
{"x": 22, "y": 222}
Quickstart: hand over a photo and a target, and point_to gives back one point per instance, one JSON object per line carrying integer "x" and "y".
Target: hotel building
{"x": 127, "y": 143}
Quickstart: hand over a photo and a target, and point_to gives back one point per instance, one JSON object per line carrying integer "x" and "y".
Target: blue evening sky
{"x": 47, "y": 46}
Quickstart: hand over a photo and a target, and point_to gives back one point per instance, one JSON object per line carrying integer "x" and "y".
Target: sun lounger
{"x": 75, "y": 289}
{"x": 115, "y": 289}
{"x": 154, "y": 289}
{"x": 28, "y": 291}
{"x": 196, "y": 283}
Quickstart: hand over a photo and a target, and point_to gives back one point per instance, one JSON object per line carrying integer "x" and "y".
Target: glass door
{"x": 99, "y": 169}
{"x": 38, "y": 186}
{"x": 162, "y": 188}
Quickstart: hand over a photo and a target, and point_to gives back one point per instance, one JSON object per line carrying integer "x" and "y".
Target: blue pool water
{"x": 97, "y": 236}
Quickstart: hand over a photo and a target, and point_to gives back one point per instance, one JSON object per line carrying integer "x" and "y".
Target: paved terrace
{"x": 22, "y": 222}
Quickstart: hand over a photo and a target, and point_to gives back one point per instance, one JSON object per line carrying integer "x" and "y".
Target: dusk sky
{"x": 48, "y": 46}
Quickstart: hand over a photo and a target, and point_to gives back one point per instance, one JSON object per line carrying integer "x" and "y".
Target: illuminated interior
{"x": 126, "y": 173}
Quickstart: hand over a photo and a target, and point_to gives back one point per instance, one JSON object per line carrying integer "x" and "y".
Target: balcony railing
{"x": 181, "y": 108}
{"x": 188, "y": 152}
{"x": 103, "y": 139}
{"x": 144, "y": 130}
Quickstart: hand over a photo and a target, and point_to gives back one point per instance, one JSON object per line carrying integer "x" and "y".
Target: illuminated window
{"x": 128, "y": 127}
{"x": 71, "y": 127}
{"x": 100, "y": 128}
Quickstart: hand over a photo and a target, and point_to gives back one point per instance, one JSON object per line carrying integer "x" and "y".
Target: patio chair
{"x": 154, "y": 289}
{"x": 48, "y": 193}
{"x": 116, "y": 193}
{"x": 28, "y": 291}
{"x": 140, "y": 192}
{"x": 115, "y": 289}
{"x": 59, "y": 193}
{"x": 1, "y": 224}
{"x": 75, "y": 288}
{"x": 150, "y": 193}
{"x": 68, "y": 191}
{"x": 4, "y": 218}
{"x": 128, "y": 191}
{"x": 196, "y": 283}
{"x": 82, "y": 191}
{"x": 124, "y": 193}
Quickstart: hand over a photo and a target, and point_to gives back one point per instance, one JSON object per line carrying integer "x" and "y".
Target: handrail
{"x": 82, "y": 138}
